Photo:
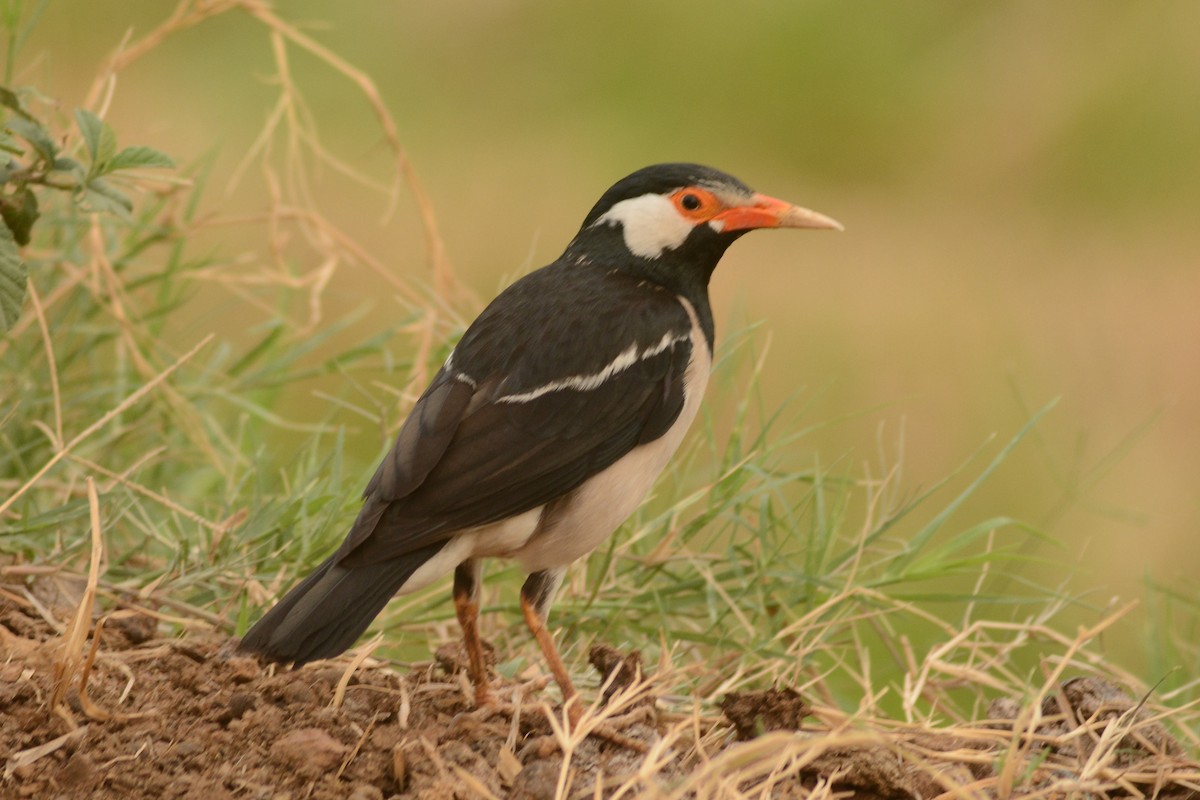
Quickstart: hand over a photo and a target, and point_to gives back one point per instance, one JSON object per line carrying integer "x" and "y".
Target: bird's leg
{"x": 536, "y": 594}
{"x": 467, "y": 576}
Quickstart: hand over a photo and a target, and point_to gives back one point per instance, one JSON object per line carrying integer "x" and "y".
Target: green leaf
{"x": 134, "y": 157}
{"x": 31, "y": 131}
{"x": 99, "y": 138}
{"x": 13, "y": 278}
{"x": 20, "y": 211}
{"x": 70, "y": 166}
{"x": 99, "y": 195}
{"x": 9, "y": 99}
{"x": 9, "y": 144}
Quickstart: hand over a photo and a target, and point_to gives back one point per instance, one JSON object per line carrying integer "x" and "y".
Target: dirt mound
{"x": 189, "y": 718}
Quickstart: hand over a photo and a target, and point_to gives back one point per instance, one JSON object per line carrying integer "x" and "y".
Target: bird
{"x": 547, "y": 424}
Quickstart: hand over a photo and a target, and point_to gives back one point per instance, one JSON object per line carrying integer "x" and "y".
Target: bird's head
{"x": 678, "y": 219}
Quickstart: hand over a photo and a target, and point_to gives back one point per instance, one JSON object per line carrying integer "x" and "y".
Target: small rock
{"x": 206, "y": 790}
{"x": 618, "y": 671}
{"x": 242, "y": 669}
{"x": 365, "y": 791}
{"x": 134, "y": 627}
{"x": 538, "y": 781}
{"x": 330, "y": 676}
{"x": 187, "y": 749}
{"x": 78, "y": 774}
{"x": 307, "y": 750}
{"x": 754, "y": 713}
{"x": 17, "y": 693}
{"x": 239, "y": 704}
{"x": 298, "y": 693}
{"x": 1003, "y": 708}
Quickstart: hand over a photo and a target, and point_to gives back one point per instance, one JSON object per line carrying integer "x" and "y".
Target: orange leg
{"x": 536, "y": 595}
{"x": 466, "y": 607}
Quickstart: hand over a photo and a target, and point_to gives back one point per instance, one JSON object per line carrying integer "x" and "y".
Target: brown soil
{"x": 189, "y": 718}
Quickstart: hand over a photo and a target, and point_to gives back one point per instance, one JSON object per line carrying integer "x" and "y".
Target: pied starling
{"x": 547, "y": 424}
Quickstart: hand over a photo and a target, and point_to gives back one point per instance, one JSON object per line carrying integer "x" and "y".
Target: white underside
{"x": 591, "y": 513}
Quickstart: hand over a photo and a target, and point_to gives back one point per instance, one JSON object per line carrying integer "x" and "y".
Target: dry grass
{"x": 1096, "y": 734}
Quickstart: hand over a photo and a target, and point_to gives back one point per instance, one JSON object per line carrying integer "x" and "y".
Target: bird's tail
{"x": 326, "y": 612}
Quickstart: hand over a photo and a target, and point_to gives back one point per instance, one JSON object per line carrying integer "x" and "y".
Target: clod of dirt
{"x": 239, "y": 704}
{"x": 309, "y": 751}
{"x": 61, "y": 594}
{"x": 538, "y": 781}
{"x": 755, "y": 713}
{"x": 365, "y": 791}
{"x": 618, "y": 671}
{"x": 15, "y": 692}
{"x": 880, "y": 771}
{"x": 452, "y": 657}
{"x": 131, "y": 629}
{"x": 294, "y": 688}
{"x": 1094, "y": 702}
{"x": 79, "y": 774}
{"x": 243, "y": 669}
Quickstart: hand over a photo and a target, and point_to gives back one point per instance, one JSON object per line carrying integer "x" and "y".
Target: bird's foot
{"x": 488, "y": 706}
{"x": 608, "y": 729}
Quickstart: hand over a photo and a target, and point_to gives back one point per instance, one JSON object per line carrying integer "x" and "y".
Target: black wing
{"x": 528, "y": 409}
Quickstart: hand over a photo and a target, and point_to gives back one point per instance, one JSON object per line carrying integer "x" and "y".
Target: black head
{"x": 664, "y": 179}
{"x": 673, "y": 222}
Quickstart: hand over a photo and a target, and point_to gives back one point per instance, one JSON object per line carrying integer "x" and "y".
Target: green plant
{"x": 34, "y": 164}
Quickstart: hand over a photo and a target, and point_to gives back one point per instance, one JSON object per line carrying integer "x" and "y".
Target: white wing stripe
{"x": 584, "y": 383}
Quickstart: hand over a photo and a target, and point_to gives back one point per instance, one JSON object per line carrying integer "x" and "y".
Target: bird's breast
{"x": 574, "y": 525}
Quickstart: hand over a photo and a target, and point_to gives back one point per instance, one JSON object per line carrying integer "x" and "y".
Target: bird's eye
{"x": 694, "y": 203}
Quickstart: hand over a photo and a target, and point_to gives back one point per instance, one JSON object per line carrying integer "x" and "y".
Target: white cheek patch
{"x": 650, "y": 224}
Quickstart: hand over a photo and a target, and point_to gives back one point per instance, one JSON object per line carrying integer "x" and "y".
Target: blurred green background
{"x": 1020, "y": 183}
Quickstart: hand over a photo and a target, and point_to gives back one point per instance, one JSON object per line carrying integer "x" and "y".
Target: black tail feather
{"x": 326, "y": 612}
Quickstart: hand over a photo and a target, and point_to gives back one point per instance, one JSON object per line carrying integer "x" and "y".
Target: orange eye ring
{"x": 695, "y": 203}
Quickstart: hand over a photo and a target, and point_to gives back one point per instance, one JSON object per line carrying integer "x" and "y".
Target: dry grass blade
{"x": 123, "y": 479}
{"x": 90, "y": 709}
{"x": 40, "y": 313}
{"x": 123, "y": 406}
{"x": 445, "y": 284}
{"x": 70, "y": 647}
{"x": 25, "y": 758}
{"x": 366, "y": 734}
{"x": 362, "y": 654}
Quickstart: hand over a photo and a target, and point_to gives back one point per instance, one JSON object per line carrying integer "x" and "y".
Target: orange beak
{"x": 767, "y": 212}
